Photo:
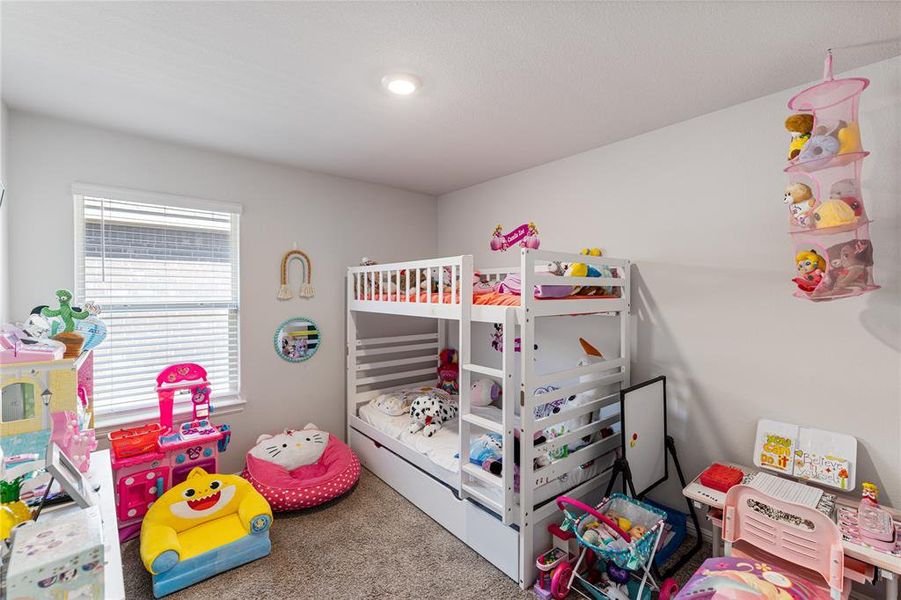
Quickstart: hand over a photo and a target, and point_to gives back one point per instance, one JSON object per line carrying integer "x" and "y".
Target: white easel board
{"x": 815, "y": 455}
{"x": 643, "y": 418}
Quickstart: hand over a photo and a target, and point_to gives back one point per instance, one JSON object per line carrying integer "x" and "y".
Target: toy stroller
{"x": 610, "y": 562}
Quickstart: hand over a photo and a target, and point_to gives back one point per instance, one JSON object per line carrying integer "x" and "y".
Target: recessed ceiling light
{"x": 401, "y": 84}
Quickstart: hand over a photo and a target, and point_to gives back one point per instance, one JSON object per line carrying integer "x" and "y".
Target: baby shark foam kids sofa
{"x": 206, "y": 525}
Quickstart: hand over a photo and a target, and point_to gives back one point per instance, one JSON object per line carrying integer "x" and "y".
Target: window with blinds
{"x": 166, "y": 277}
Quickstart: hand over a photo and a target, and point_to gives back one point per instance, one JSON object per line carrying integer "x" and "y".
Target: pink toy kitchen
{"x": 149, "y": 459}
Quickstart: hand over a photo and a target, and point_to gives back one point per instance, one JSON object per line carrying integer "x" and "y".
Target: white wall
{"x": 698, "y": 207}
{"x": 335, "y": 220}
{"x": 4, "y": 222}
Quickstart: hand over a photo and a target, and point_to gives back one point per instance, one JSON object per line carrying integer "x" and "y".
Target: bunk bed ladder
{"x": 495, "y": 493}
{"x": 502, "y": 485}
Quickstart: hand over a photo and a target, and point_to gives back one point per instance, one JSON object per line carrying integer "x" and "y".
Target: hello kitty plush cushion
{"x": 292, "y": 448}
{"x": 333, "y": 474}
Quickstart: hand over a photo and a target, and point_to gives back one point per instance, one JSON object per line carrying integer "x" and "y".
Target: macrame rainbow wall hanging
{"x": 306, "y": 265}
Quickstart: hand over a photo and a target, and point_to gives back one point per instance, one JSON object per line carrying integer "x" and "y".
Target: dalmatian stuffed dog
{"x": 428, "y": 412}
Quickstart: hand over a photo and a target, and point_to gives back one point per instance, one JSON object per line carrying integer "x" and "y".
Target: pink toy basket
{"x": 830, "y": 231}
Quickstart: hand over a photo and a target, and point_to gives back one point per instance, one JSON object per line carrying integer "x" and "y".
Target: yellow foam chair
{"x": 206, "y": 525}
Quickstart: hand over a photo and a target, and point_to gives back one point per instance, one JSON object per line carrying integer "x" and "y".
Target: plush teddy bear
{"x": 801, "y": 203}
{"x": 799, "y": 125}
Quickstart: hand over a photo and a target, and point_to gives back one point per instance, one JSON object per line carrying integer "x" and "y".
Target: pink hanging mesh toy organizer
{"x": 827, "y": 218}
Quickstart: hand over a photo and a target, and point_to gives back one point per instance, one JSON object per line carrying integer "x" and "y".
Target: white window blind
{"x": 166, "y": 276}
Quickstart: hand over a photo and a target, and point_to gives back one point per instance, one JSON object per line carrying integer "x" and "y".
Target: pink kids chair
{"x": 773, "y": 547}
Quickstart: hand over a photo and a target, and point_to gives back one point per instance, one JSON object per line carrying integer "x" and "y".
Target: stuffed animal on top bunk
{"x": 431, "y": 285}
{"x": 585, "y": 270}
{"x": 430, "y": 411}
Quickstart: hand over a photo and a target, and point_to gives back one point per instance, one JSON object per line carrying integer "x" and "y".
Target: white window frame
{"x": 145, "y": 412}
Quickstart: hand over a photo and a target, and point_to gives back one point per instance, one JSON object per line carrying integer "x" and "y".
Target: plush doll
{"x": 429, "y": 412}
{"x": 292, "y": 449}
{"x": 833, "y": 213}
{"x": 448, "y": 371}
{"x": 799, "y": 126}
{"x": 484, "y": 392}
{"x": 801, "y": 203}
{"x": 848, "y": 138}
{"x": 810, "y": 270}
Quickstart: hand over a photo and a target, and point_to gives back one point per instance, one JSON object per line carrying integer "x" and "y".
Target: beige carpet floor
{"x": 371, "y": 544}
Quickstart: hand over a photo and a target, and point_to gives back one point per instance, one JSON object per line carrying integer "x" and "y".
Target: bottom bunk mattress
{"x": 443, "y": 449}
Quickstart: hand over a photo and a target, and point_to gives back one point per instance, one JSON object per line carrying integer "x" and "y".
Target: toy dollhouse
{"x": 149, "y": 459}
{"x": 45, "y": 398}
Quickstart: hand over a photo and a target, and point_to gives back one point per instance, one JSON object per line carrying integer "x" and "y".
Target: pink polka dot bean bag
{"x": 332, "y": 475}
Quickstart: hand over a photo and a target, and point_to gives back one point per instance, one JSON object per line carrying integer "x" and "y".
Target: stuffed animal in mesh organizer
{"x": 810, "y": 270}
{"x": 801, "y": 203}
{"x": 430, "y": 411}
{"x": 849, "y": 269}
{"x": 799, "y": 126}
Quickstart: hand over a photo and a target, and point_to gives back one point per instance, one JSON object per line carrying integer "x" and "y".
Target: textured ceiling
{"x": 506, "y": 85}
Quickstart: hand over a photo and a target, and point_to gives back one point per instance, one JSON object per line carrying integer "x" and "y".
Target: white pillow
{"x": 397, "y": 402}
{"x": 390, "y": 404}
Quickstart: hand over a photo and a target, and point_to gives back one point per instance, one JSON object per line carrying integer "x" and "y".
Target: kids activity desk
{"x": 889, "y": 565}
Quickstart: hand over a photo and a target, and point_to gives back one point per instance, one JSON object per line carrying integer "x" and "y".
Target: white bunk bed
{"x": 485, "y": 511}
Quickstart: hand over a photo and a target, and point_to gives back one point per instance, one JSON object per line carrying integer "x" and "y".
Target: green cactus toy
{"x": 65, "y": 312}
